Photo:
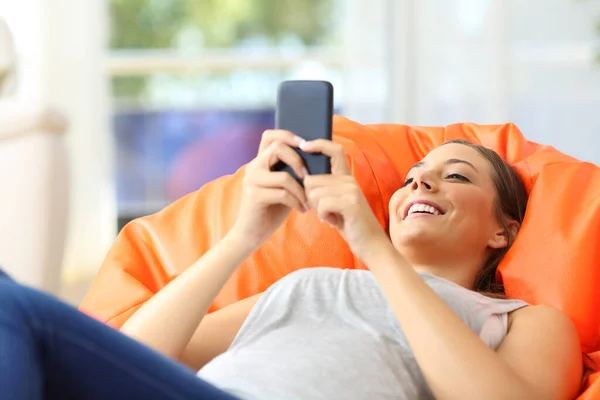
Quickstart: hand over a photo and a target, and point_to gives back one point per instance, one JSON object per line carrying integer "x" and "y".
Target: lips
{"x": 423, "y": 206}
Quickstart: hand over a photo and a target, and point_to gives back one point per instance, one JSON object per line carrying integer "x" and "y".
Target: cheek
{"x": 475, "y": 204}
{"x": 395, "y": 203}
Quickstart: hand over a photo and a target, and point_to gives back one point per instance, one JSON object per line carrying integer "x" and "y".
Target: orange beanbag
{"x": 553, "y": 261}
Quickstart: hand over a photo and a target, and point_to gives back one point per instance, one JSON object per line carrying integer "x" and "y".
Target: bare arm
{"x": 169, "y": 319}
{"x": 542, "y": 346}
{"x": 216, "y": 332}
{"x": 539, "y": 359}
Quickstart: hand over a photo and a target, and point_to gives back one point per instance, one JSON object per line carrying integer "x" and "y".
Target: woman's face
{"x": 446, "y": 208}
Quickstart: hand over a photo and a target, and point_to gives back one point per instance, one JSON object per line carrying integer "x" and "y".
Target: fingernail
{"x": 303, "y": 144}
{"x": 300, "y": 141}
{"x": 305, "y": 171}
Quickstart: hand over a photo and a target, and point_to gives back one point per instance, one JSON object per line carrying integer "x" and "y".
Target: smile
{"x": 422, "y": 207}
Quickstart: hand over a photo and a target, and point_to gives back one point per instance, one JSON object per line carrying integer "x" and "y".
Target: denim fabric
{"x": 49, "y": 350}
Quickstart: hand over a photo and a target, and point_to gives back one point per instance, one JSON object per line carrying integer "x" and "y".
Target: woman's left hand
{"x": 338, "y": 200}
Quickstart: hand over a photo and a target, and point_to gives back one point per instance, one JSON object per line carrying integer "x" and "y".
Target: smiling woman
{"x": 488, "y": 199}
{"x": 409, "y": 327}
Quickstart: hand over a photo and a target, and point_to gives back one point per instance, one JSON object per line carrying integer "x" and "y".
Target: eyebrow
{"x": 449, "y": 161}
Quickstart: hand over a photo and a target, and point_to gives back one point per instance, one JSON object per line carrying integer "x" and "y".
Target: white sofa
{"x": 33, "y": 182}
{"x": 7, "y": 61}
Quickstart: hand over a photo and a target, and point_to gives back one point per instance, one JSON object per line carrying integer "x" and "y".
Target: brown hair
{"x": 510, "y": 204}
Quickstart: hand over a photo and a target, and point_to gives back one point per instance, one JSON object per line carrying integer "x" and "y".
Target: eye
{"x": 459, "y": 177}
{"x": 407, "y": 182}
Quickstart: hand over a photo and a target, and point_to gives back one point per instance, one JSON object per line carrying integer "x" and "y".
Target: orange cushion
{"x": 553, "y": 261}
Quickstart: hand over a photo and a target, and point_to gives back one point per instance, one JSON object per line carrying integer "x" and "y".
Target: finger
{"x": 317, "y": 187}
{"x": 339, "y": 163}
{"x": 278, "y": 180}
{"x": 279, "y": 135}
{"x": 314, "y": 200}
{"x": 316, "y": 181}
{"x": 331, "y": 209}
{"x": 278, "y": 151}
{"x": 271, "y": 196}
{"x": 347, "y": 197}
{"x": 313, "y": 195}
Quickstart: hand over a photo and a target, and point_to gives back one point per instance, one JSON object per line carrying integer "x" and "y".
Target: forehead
{"x": 440, "y": 154}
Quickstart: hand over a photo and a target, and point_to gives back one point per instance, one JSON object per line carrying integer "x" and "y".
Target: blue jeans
{"x": 49, "y": 350}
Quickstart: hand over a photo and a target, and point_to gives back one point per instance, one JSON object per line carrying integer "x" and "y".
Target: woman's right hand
{"x": 269, "y": 196}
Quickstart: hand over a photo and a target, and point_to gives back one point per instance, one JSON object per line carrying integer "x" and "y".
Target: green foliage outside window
{"x": 192, "y": 26}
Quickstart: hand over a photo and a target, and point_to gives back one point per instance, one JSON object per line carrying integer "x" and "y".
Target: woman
{"x": 413, "y": 326}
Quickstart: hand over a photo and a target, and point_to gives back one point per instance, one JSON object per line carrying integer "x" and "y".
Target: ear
{"x": 501, "y": 236}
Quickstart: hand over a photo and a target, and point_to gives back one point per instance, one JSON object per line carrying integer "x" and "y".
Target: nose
{"x": 423, "y": 180}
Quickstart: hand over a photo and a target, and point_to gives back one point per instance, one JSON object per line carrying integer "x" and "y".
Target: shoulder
{"x": 542, "y": 345}
{"x": 542, "y": 317}
{"x": 548, "y": 324}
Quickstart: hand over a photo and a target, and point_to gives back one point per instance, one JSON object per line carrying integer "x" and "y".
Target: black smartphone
{"x": 305, "y": 108}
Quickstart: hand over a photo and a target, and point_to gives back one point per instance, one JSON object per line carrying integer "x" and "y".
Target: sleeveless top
{"x": 328, "y": 333}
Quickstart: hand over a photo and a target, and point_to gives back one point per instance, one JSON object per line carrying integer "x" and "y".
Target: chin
{"x": 408, "y": 240}
{"x": 420, "y": 248}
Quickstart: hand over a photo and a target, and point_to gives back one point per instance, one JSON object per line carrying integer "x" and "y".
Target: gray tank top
{"x": 328, "y": 333}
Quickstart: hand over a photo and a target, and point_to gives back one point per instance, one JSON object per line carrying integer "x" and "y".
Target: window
{"x": 194, "y": 84}
{"x": 194, "y": 81}
{"x": 529, "y": 62}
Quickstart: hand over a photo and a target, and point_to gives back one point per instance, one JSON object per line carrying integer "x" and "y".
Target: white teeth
{"x": 420, "y": 207}
{"x": 432, "y": 210}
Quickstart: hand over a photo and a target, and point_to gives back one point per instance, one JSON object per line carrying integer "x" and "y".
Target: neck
{"x": 446, "y": 263}
{"x": 461, "y": 276}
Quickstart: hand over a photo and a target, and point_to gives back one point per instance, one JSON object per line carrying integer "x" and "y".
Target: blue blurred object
{"x": 164, "y": 155}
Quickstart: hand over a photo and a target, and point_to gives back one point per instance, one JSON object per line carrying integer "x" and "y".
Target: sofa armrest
{"x": 18, "y": 118}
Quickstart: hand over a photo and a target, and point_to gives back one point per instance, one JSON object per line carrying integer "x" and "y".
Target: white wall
{"x": 491, "y": 61}
{"x": 61, "y": 49}
{"x": 366, "y": 60}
